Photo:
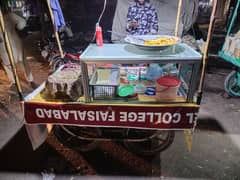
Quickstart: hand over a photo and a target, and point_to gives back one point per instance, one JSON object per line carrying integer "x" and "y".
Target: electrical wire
{"x": 104, "y": 8}
{"x": 100, "y": 17}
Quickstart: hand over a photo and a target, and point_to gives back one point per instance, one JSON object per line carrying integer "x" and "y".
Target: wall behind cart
{"x": 83, "y": 15}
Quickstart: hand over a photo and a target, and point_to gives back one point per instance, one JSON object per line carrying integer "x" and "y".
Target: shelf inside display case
{"x": 134, "y": 86}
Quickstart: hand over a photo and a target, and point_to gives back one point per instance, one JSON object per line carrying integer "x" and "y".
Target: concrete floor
{"x": 216, "y": 142}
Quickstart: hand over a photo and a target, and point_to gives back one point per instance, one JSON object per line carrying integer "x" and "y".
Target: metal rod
{"x": 233, "y": 18}
{"x": 205, "y": 53}
{"x": 55, "y": 30}
{"x": 10, "y": 56}
{"x": 232, "y": 21}
{"x": 177, "y": 22}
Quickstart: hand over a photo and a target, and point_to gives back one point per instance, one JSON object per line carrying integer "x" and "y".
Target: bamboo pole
{"x": 178, "y": 17}
{"x": 206, "y": 47}
{"x": 55, "y": 30}
{"x": 50, "y": 126}
{"x": 10, "y": 56}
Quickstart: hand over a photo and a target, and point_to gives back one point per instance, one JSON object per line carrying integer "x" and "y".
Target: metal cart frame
{"x": 232, "y": 81}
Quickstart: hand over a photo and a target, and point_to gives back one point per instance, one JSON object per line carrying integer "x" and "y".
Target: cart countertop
{"x": 127, "y": 53}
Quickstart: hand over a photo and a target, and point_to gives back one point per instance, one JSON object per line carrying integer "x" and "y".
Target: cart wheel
{"x": 73, "y": 137}
{"x": 156, "y": 141}
{"x": 231, "y": 84}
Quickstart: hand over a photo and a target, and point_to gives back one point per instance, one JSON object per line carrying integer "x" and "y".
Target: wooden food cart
{"x": 143, "y": 119}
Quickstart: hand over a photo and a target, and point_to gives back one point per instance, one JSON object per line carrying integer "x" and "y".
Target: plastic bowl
{"x": 125, "y": 90}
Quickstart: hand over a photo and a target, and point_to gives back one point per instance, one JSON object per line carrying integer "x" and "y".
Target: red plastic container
{"x": 167, "y": 88}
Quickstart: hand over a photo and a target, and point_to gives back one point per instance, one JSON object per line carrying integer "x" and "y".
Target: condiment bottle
{"x": 99, "y": 37}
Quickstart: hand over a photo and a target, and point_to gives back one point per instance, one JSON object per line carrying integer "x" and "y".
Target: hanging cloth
{"x": 4, "y": 4}
{"x": 57, "y": 13}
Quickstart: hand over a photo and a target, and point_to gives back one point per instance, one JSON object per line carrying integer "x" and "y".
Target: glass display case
{"x": 145, "y": 76}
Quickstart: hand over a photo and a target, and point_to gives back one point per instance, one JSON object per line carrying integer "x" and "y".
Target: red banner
{"x": 149, "y": 117}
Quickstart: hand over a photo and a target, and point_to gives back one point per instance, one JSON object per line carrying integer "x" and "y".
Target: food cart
{"x": 132, "y": 92}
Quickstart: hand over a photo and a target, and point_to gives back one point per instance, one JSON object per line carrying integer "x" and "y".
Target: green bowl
{"x": 125, "y": 90}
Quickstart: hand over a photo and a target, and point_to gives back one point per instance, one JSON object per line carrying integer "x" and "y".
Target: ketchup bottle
{"x": 99, "y": 37}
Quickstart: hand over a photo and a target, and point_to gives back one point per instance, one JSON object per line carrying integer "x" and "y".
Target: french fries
{"x": 161, "y": 41}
